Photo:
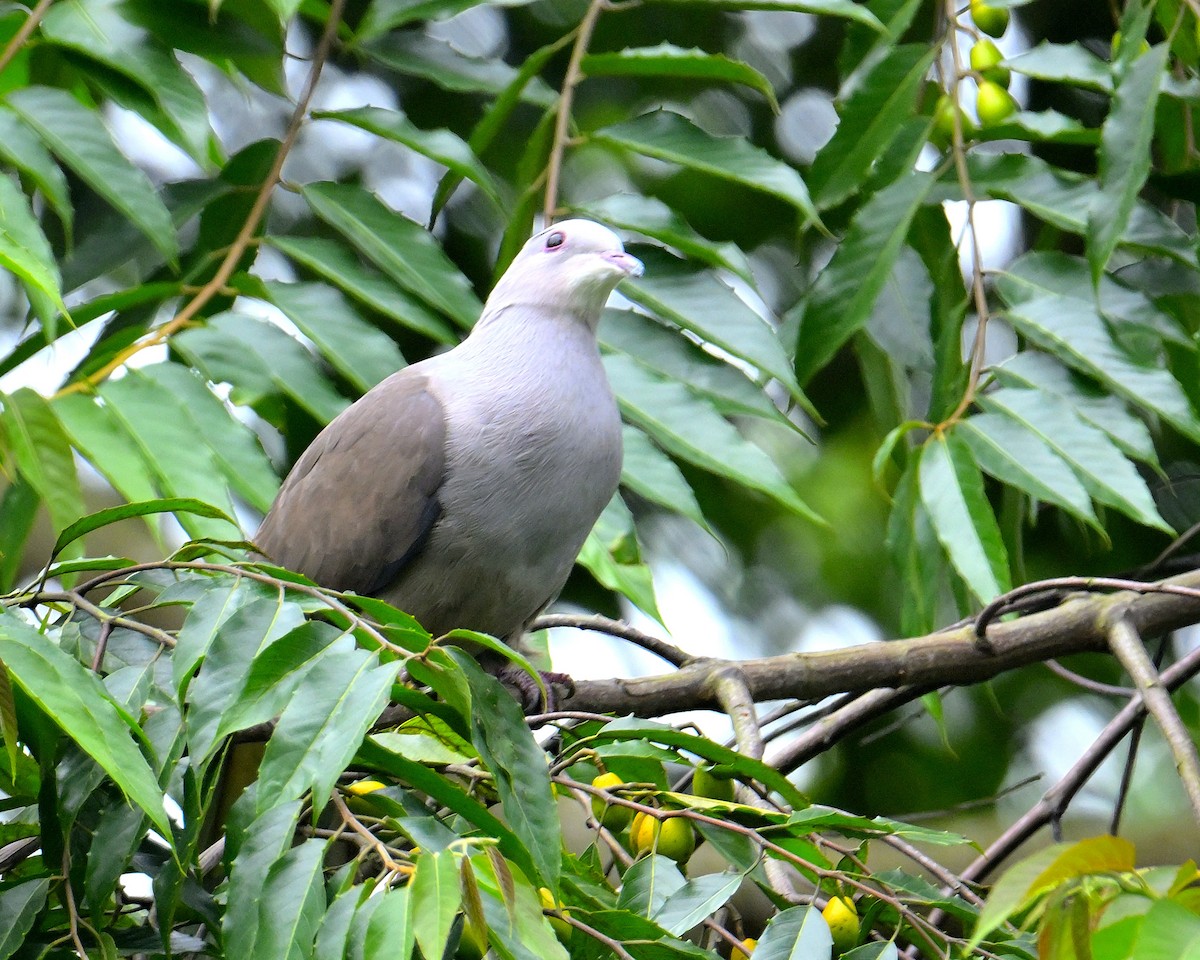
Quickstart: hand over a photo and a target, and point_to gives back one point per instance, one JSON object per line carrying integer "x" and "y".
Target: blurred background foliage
{"x": 136, "y": 135}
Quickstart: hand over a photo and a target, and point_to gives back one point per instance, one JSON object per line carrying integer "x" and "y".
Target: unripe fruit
{"x": 842, "y": 918}
{"x": 705, "y": 783}
{"x": 985, "y": 60}
{"x": 562, "y": 929}
{"x": 743, "y": 952}
{"x": 993, "y": 104}
{"x": 1114, "y": 47}
{"x": 942, "y": 134}
{"x": 610, "y": 815}
{"x": 991, "y": 20}
{"x": 672, "y": 838}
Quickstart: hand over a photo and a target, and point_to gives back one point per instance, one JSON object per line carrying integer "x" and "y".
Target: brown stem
{"x": 23, "y": 32}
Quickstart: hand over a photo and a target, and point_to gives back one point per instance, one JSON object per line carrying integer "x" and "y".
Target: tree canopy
{"x": 917, "y": 334}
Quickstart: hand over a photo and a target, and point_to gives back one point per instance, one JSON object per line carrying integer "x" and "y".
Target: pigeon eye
{"x": 556, "y": 239}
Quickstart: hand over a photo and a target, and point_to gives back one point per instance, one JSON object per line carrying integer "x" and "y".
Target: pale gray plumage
{"x": 461, "y": 488}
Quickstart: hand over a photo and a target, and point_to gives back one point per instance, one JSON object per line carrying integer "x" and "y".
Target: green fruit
{"x": 705, "y": 783}
{"x": 676, "y": 839}
{"x": 991, "y": 20}
{"x": 993, "y": 104}
{"x": 562, "y": 929}
{"x": 842, "y": 918}
{"x": 611, "y": 815}
{"x": 942, "y": 134}
{"x": 985, "y": 60}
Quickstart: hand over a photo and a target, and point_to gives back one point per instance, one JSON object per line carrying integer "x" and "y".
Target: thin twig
{"x": 616, "y": 628}
{"x": 18, "y": 39}
{"x": 1127, "y": 646}
{"x": 246, "y": 234}
{"x": 562, "y": 121}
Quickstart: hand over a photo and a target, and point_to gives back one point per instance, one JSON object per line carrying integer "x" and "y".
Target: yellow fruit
{"x": 993, "y": 104}
{"x": 842, "y": 918}
{"x": 991, "y": 20}
{"x": 705, "y": 783}
{"x": 562, "y": 929}
{"x": 985, "y": 60}
{"x": 363, "y": 787}
{"x": 611, "y": 815}
{"x": 743, "y": 952}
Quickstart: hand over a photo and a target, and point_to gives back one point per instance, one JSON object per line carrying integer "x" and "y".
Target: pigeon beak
{"x": 628, "y": 264}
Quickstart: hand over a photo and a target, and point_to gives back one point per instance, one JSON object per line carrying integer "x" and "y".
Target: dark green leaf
{"x": 668, "y": 60}
{"x": 650, "y": 473}
{"x": 695, "y": 900}
{"x": 102, "y": 518}
{"x": 20, "y": 903}
{"x": 25, "y": 252}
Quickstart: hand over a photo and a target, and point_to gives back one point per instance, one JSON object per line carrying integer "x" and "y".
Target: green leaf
{"x": 422, "y": 55}
{"x": 664, "y": 351}
{"x": 95, "y": 432}
{"x": 698, "y": 301}
{"x": 668, "y": 136}
{"x": 1074, "y": 331}
{"x": 795, "y": 932}
{"x": 440, "y": 146}
{"x": 20, "y": 903}
{"x": 385, "y": 15}
{"x": 390, "y": 927}
{"x": 522, "y": 779}
{"x": 291, "y": 903}
{"x": 21, "y": 147}
{"x": 435, "y": 900}
{"x": 1017, "y": 456}
{"x": 358, "y": 351}
{"x": 1169, "y": 930}
{"x": 872, "y": 114}
{"x": 18, "y": 512}
{"x": 259, "y": 360}
{"x": 1034, "y": 370}
{"x": 952, "y": 491}
{"x": 159, "y": 424}
{"x": 653, "y": 218}
{"x": 1104, "y": 471}
{"x": 672, "y": 62}
{"x": 264, "y": 843}
{"x": 78, "y": 703}
{"x": 695, "y": 900}
{"x": 612, "y": 555}
{"x": 690, "y": 429}
{"x": 400, "y": 248}
{"x": 846, "y": 9}
{"x": 76, "y": 135}
{"x": 323, "y": 725}
{"x": 845, "y": 291}
{"x": 43, "y": 454}
{"x": 650, "y": 473}
{"x": 235, "y": 447}
{"x": 102, "y": 518}
{"x": 648, "y": 884}
{"x": 25, "y": 252}
{"x": 99, "y": 31}
{"x": 333, "y": 261}
{"x": 1065, "y": 63}
{"x": 1124, "y": 154}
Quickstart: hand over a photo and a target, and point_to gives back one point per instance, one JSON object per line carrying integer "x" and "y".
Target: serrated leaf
{"x": 698, "y": 301}
{"x": 518, "y": 764}
{"x": 291, "y": 903}
{"x": 1066, "y": 63}
{"x": 845, "y": 291}
{"x": 20, "y": 904}
{"x": 871, "y": 116}
{"x": 21, "y": 147}
{"x": 78, "y": 703}
{"x": 1014, "y": 455}
{"x": 400, "y": 248}
{"x": 1124, "y": 154}
{"x": 668, "y": 136}
{"x": 688, "y": 428}
{"x": 76, "y": 135}
{"x": 440, "y": 146}
{"x": 25, "y": 252}
{"x": 1097, "y": 461}
{"x": 254, "y": 852}
{"x": 952, "y": 492}
{"x": 612, "y": 555}
{"x": 668, "y": 60}
{"x": 358, "y": 351}
{"x": 332, "y": 260}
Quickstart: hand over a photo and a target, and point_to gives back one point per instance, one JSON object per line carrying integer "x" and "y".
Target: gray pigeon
{"x": 461, "y": 488}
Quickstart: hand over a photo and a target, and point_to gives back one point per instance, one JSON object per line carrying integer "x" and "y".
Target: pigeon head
{"x": 573, "y": 265}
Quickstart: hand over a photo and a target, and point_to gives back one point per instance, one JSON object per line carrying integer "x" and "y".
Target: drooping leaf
{"x": 25, "y": 252}
{"x": 668, "y": 60}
